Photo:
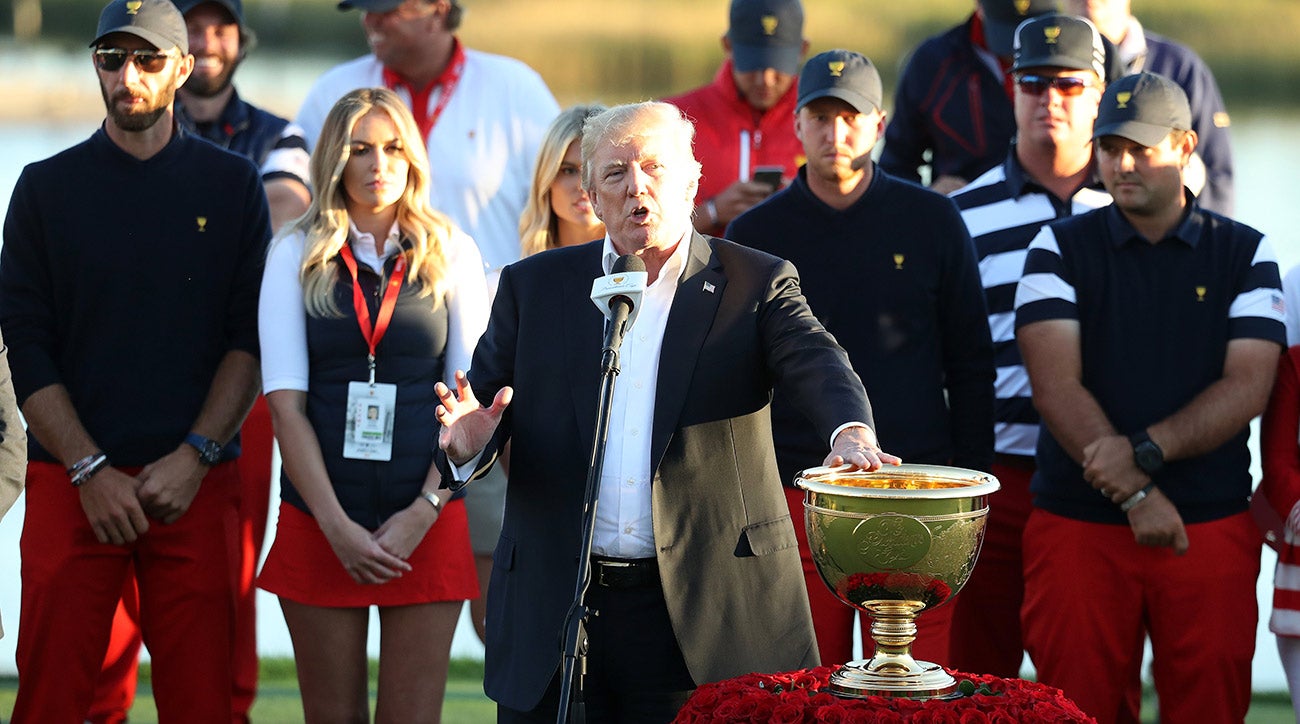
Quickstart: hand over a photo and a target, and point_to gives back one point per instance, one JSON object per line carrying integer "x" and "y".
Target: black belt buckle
{"x": 624, "y": 574}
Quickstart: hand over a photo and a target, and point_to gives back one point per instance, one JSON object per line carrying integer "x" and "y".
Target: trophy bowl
{"x": 895, "y": 543}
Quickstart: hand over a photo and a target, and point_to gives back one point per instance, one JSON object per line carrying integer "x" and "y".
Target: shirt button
{"x": 638, "y": 384}
{"x": 633, "y": 432}
{"x": 628, "y": 530}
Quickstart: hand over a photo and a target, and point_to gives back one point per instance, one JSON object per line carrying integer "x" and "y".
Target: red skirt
{"x": 302, "y": 567}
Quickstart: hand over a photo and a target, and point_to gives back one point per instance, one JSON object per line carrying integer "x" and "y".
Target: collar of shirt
{"x": 1133, "y": 51}
{"x": 1020, "y": 183}
{"x": 234, "y": 119}
{"x": 363, "y": 246}
{"x": 1187, "y": 231}
{"x": 672, "y": 268}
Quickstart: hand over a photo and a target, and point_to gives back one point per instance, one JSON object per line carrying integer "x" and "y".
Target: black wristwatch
{"x": 209, "y": 450}
{"x": 1146, "y": 453}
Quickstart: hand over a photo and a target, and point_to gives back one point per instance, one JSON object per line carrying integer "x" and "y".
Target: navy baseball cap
{"x": 1060, "y": 41}
{"x": 841, "y": 74}
{"x": 766, "y": 34}
{"x": 157, "y": 22}
{"x": 1002, "y": 17}
{"x": 370, "y": 6}
{"x": 1143, "y": 108}
{"x": 234, "y": 7}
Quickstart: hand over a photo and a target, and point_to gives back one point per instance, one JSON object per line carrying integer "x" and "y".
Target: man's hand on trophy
{"x": 856, "y": 445}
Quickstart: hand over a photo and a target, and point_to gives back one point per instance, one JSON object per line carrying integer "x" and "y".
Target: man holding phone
{"x": 889, "y": 269}
{"x": 742, "y": 129}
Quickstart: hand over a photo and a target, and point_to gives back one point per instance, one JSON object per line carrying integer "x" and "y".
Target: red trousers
{"x": 71, "y": 585}
{"x": 1092, "y": 593}
{"x": 115, "y": 689}
{"x": 985, "y": 634}
{"x": 833, "y": 619}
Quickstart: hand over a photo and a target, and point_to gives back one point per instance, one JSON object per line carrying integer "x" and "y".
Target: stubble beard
{"x": 211, "y": 87}
{"x": 136, "y": 121}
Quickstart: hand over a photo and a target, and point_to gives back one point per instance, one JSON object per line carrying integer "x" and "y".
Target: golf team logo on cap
{"x": 133, "y": 7}
{"x": 1052, "y": 34}
{"x": 769, "y": 24}
{"x": 1121, "y": 99}
{"x": 836, "y": 67}
{"x": 1022, "y": 6}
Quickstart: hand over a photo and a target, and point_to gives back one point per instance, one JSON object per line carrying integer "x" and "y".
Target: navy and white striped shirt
{"x": 1154, "y": 321}
{"x": 1003, "y": 210}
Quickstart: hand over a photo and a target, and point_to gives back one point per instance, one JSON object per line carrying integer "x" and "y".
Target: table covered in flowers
{"x": 799, "y": 697}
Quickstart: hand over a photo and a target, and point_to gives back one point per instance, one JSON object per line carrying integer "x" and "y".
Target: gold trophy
{"x": 895, "y": 543}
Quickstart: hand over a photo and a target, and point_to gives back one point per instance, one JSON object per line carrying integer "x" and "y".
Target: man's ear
{"x": 1188, "y": 145}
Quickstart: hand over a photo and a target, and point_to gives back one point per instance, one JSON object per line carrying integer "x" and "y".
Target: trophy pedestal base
{"x": 891, "y": 678}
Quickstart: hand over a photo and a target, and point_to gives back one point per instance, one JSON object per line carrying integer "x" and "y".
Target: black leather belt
{"x": 622, "y": 573}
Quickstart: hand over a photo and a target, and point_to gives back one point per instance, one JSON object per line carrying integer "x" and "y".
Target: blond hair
{"x": 424, "y": 230}
{"x": 620, "y": 124}
{"x": 538, "y": 226}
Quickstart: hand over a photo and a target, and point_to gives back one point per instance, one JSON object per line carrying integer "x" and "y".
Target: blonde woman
{"x": 558, "y": 211}
{"x": 367, "y": 300}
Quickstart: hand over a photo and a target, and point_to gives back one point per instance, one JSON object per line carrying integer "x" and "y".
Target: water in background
{"x": 1267, "y": 146}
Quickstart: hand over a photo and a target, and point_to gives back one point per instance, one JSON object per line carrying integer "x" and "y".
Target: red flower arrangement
{"x": 797, "y": 697}
{"x": 861, "y": 587}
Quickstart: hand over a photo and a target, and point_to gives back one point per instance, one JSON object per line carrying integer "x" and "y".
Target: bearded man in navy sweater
{"x": 889, "y": 269}
{"x": 128, "y": 295}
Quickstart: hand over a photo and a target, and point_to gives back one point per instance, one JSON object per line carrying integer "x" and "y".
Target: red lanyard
{"x": 386, "y": 307}
{"x": 450, "y": 77}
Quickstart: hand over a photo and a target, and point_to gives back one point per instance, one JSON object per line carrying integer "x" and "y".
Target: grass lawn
{"x": 278, "y": 703}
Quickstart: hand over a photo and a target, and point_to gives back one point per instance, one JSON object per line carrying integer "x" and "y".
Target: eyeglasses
{"x": 1066, "y": 85}
{"x": 111, "y": 60}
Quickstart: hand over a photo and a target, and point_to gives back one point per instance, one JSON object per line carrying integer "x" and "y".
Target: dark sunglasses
{"x": 111, "y": 60}
{"x": 1066, "y": 85}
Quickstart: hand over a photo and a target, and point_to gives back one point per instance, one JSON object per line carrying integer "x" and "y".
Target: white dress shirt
{"x": 624, "y": 521}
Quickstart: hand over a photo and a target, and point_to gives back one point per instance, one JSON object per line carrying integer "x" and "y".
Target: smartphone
{"x": 770, "y": 175}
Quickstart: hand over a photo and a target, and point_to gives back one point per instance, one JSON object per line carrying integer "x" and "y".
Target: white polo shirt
{"x": 481, "y": 150}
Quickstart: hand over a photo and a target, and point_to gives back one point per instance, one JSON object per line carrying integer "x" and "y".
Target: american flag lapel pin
{"x": 708, "y": 287}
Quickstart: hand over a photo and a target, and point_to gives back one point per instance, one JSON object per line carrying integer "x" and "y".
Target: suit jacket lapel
{"x": 583, "y": 334}
{"x": 689, "y": 320}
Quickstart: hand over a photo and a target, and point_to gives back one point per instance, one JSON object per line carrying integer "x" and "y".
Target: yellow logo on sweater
{"x": 202, "y": 222}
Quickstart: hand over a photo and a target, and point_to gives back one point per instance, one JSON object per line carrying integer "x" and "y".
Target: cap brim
{"x": 1147, "y": 134}
{"x": 749, "y": 58}
{"x": 860, "y": 103}
{"x": 149, "y": 36}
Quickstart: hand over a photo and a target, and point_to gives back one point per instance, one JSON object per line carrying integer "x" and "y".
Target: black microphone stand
{"x": 574, "y": 667}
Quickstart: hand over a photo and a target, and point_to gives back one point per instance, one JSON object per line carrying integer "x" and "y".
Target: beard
{"x": 137, "y": 120}
{"x": 208, "y": 87}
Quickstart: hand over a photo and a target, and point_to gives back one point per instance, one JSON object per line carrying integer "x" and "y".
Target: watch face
{"x": 1148, "y": 457}
{"x": 211, "y": 453}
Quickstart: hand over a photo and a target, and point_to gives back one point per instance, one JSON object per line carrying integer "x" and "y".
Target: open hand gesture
{"x": 466, "y": 425}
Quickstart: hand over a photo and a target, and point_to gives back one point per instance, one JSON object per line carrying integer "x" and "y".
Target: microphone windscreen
{"x": 627, "y": 263}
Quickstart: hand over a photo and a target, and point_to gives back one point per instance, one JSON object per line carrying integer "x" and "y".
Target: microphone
{"x": 618, "y": 296}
